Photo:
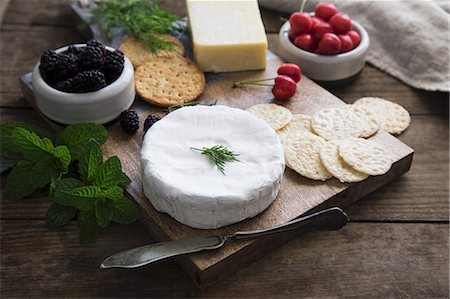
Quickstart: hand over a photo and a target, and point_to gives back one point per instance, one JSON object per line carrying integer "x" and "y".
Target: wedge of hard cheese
{"x": 228, "y": 35}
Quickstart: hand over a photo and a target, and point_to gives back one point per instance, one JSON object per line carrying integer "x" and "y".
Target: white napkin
{"x": 409, "y": 39}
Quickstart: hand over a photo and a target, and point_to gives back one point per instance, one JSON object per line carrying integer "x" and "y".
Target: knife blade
{"x": 328, "y": 219}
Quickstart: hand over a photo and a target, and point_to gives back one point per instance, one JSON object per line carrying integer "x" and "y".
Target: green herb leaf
{"x": 41, "y": 163}
{"x": 26, "y": 177}
{"x": 114, "y": 193}
{"x": 103, "y": 213}
{"x": 7, "y": 144}
{"x": 110, "y": 174}
{"x": 77, "y": 136}
{"x": 35, "y": 148}
{"x": 61, "y": 158}
{"x": 90, "y": 160}
{"x": 218, "y": 155}
{"x": 143, "y": 18}
{"x": 124, "y": 211}
{"x": 30, "y": 144}
{"x": 89, "y": 228}
{"x": 58, "y": 215}
{"x": 71, "y": 192}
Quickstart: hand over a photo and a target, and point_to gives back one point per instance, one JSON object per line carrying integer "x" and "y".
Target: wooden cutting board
{"x": 298, "y": 195}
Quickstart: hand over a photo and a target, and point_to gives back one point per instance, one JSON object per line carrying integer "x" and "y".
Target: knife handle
{"x": 328, "y": 219}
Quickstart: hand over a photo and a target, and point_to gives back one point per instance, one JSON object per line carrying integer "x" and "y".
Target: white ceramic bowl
{"x": 100, "y": 106}
{"x": 325, "y": 67}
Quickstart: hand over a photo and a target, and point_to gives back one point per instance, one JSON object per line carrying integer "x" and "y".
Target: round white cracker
{"x": 329, "y": 154}
{"x": 275, "y": 115}
{"x": 299, "y": 123}
{"x": 337, "y": 123}
{"x": 365, "y": 156}
{"x": 303, "y": 156}
{"x": 369, "y": 121}
{"x": 393, "y": 117}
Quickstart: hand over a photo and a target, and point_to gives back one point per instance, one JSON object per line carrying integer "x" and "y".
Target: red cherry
{"x": 329, "y": 44}
{"x": 300, "y": 22}
{"x": 325, "y": 10}
{"x": 284, "y": 88}
{"x": 341, "y": 23}
{"x": 356, "y": 38}
{"x": 315, "y": 21}
{"x": 305, "y": 41}
{"x": 291, "y": 70}
{"x": 347, "y": 43}
{"x": 291, "y": 36}
{"x": 320, "y": 29}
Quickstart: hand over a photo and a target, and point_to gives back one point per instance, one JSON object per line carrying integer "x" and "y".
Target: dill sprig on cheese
{"x": 142, "y": 18}
{"x": 218, "y": 155}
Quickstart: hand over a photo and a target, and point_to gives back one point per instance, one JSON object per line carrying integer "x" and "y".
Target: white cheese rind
{"x": 227, "y": 35}
{"x": 184, "y": 184}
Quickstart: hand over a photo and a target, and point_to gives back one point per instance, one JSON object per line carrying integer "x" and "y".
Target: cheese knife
{"x": 328, "y": 219}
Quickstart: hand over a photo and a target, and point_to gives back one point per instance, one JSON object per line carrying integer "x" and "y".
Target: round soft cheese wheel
{"x": 185, "y": 184}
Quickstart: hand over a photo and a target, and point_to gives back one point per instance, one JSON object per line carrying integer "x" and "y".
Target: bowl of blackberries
{"x": 327, "y": 44}
{"x": 83, "y": 83}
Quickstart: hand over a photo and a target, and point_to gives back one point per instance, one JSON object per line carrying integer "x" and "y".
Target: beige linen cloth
{"x": 409, "y": 39}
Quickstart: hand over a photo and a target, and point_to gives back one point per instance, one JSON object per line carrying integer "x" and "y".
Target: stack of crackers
{"x": 164, "y": 78}
{"x": 332, "y": 143}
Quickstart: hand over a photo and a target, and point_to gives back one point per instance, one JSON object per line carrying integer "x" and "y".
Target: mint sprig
{"x": 72, "y": 170}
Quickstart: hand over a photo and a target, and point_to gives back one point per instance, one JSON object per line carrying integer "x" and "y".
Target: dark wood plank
{"x": 38, "y": 12}
{"x": 3, "y": 6}
{"x": 362, "y": 260}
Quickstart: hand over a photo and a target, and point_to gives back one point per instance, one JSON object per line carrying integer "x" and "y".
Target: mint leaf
{"x": 124, "y": 211}
{"x": 90, "y": 160}
{"x": 6, "y": 130}
{"x": 110, "y": 174}
{"x": 78, "y": 135}
{"x": 89, "y": 228}
{"x": 35, "y": 148}
{"x": 82, "y": 198}
{"x": 61, "y": 158}
{"x": 28, "y": 176}
{"x": 58, "y": 215}
{"x": 63, "y": 194}
{"x": 114, "y": 193}
{"x": 103, "y": 213}
{"x": 30, "y": 144}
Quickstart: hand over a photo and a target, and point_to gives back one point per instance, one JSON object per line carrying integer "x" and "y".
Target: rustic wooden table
{"x": 395, "y": 245}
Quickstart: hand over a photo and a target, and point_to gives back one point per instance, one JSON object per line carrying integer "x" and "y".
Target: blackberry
{"x": 129, "y": 121}
{"x": 95, "y": 43}
{"x": 91, "y": 58}
{"x": 149, "y": 121}
{"x": 113, "y": 65}
{"x": 74, "y": 50}
{"x": 55, "y": 67}
{"x": 86, "y": 81}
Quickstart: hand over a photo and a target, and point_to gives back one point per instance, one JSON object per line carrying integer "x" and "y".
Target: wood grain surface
{"x": 395, "y": 246}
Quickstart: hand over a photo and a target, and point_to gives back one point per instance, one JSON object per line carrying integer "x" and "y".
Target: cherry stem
{"x": 303, "y": 5}
{"x": 236, "y": 84}
{"x": 252, "y": 81}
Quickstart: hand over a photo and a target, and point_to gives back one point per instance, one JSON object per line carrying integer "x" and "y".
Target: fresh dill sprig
{"x": 142, "y": 18}
{"x": 218, "y": 155}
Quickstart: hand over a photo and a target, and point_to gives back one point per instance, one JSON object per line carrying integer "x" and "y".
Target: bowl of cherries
{"x": 327, "y": 44}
